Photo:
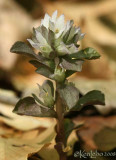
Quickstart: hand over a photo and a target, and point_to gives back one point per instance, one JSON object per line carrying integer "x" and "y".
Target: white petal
{"x": 54, "y": 16}
{"x": 41, "y": 22}
{"x": 51, "y": 26}
{"x": 59, "y": 33}
{"x": 46, "y": 20}
{"x": 67, "y": 25}
{"x": 60, "y": 23}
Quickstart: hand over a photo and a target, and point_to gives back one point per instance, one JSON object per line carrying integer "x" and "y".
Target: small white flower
{"x": 45, "y": 21}
{"x": 57, "y": 25}
{"x": 54, "y": 35}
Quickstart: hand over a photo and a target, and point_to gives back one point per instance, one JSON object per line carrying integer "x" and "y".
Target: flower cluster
{"x": 59, "y": 55}
{"x": 53, "y": 36}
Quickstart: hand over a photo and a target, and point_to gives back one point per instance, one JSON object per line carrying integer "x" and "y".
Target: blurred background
{"x": 97, "y": 18}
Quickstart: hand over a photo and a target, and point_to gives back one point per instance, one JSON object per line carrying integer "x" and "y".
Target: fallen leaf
{"x": 97, "y": 133}
{"x": 21, "y": 149}
{"x": 49, "y": 152}
{"x": 16, "y": 149}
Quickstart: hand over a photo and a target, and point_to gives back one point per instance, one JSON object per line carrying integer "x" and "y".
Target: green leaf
{"x": 87, "y": 53}
{"x": 37, "y": 63}
{"x": 49, "y": 63}
{"x": 42, "y": 69}
{"x": 69, "y": 73}
{"x": 28, "y": 106}
{"x": 72, "y": 64}
{"x": 71, "y": 35}
{"x": 45, "y": 71}
{"x": 69, "y": 126}
{"x": 69, "y": 95}
{"x": 51, "y": 38}
{"x": 22, "y": 48}
{"x": 94, "y": 97}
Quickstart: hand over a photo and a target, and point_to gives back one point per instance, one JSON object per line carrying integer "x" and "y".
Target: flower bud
{"x": 59, "y": 74}
{"x": 48, "y": 100}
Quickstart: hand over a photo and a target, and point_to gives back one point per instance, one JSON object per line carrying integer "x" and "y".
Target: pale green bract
{"x": 54, "y": 36}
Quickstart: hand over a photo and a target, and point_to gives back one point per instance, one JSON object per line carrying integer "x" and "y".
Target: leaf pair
{"x": 47, "y": 67}
{"x": 22, "y": 48}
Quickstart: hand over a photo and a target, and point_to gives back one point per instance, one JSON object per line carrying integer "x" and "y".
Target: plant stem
{"x": 60, "y": 138}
